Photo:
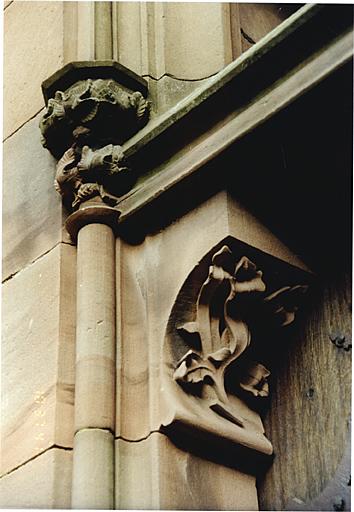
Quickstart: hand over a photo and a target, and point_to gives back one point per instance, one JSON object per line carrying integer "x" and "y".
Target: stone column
{"x": 93, "y": 468}
{"x": 91, "y": 109}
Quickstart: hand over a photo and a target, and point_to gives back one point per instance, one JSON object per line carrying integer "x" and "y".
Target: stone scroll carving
{"x": 83, "y": 127}
{"x": 214, "y": 348}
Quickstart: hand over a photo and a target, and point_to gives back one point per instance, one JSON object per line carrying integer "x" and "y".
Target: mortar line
{"x": 23, "y": 124}
{"x": 66, "y": 448}
{"x": 139, "y": 440}
{"x": 179, "y": 79}
{"x": 34, "y": 261}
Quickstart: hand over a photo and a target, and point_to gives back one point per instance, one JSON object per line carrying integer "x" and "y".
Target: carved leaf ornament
{"x": 83, "y": 127}
{"x": 220, "y": 333}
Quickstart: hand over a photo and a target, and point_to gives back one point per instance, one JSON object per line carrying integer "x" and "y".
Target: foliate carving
{"x": 83, "y": 173}
{"x": 83, "y": 127}
{"x": 111, "y": 112}
{"x": 218, "y": 343}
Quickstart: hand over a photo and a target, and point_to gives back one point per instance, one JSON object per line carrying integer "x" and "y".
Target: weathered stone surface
{"x": 44, "y": 482}
{"x": 105, "y": 98}
{"x": 29, "y": 28}
{"x": 93, "y": 470}
{"x": 38, "y": 358}
{"x": 155, "y": 474}
{"x": 31, "y": 207}
{"x": 151, "y": 277}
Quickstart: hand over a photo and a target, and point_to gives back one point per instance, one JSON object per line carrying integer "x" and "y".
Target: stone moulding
{"x": 100, "y": 106}
{"x": 214, "y": 376}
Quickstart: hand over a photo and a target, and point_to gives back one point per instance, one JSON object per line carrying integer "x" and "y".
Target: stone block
{"x": 93, "y": 468}
{"x": 33, "y": 50}
{"x": 31, "y": 207}
{"x": 38, "y": 357}
{"x": 155, "y": 474}
{"x": 197, "y": 39}
{"x": 44, "y": 482}
{"x": 189, "y": 41}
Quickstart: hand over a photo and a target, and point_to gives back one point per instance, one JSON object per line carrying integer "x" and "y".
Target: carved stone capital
{"x": 230, "y": 312}
{"x": 92, "y": 108}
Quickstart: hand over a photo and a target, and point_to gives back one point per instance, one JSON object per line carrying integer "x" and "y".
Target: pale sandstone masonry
{"x": 44, "y": 482}
{"x": 38, "y": 358}
{"x": 38, "y": 307}
{"x": 31, "y": 208}
{"x": 93, "y": 470}
{"x": 109, "y": 446}
{"x": 155, "y": 474}
{"x": 33, "y": 49}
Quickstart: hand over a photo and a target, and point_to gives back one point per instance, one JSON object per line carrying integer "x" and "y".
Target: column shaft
{"x": 95, "y": 369}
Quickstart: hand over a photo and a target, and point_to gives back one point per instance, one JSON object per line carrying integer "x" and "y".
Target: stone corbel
{"x": 92, "y": 108}
{"x": 234, "y": 307}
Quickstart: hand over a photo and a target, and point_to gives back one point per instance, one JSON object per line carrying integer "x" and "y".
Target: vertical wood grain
{"x": 308, "y": 420}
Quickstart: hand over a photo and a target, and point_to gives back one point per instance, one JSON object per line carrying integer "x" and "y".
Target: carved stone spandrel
{"x": 221, "y": 321}
{"x": 151, "y": 277}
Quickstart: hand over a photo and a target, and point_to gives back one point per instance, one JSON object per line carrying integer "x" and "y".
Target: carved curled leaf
{"x": 285, "y": 302}
{"x": 192, "y": 369}
{"x": 254, "y": 381}
{"x": 67, "y": 178}
{"x": 198, "y": 375}
{"x": 109, "y": 159}
{"x": 55, "y": 107}
{"x": 188, "y": 327}
{"x": 140, "y": 104}
{"x": 219, "y": 356}
{"x": 78, "y": 92}
{"x": 247, "y": 277}
{"x": 86, "y": 191}
{"x": 224, "y": 259}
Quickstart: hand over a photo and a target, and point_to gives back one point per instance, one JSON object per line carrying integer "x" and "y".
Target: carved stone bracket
{"x": 101, "y": 105}
{"x": 214, "y": 375}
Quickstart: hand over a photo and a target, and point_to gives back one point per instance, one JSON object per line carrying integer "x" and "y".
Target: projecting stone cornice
{"x": 289, "y": 45}
{"x": 169, "y": 152}
{"x": 286, "y": 64}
